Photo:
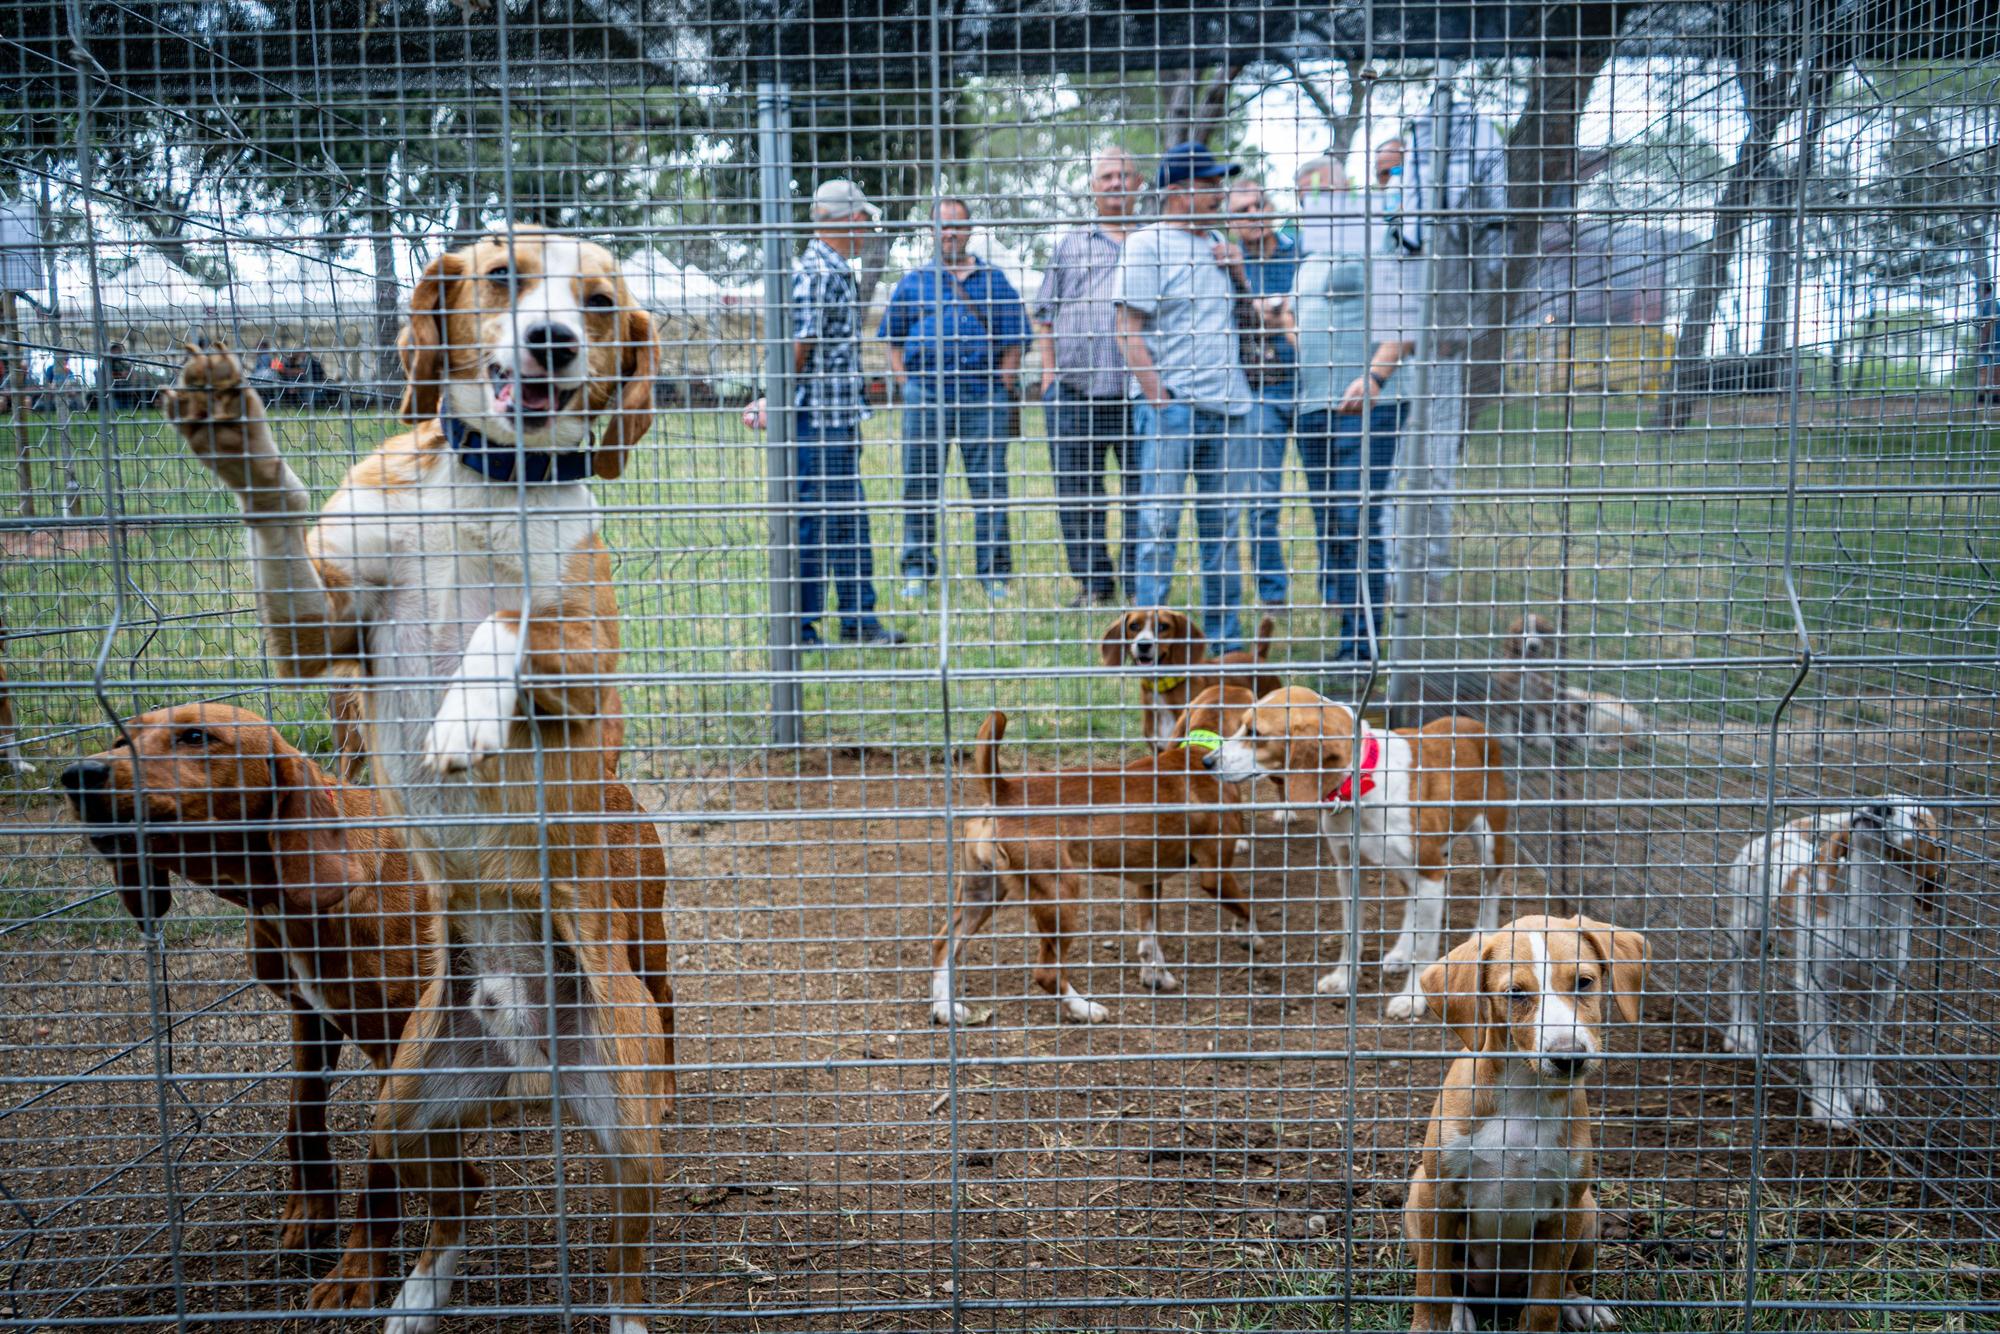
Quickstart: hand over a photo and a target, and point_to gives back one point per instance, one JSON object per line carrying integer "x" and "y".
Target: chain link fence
{"x": 1622, "y": 378}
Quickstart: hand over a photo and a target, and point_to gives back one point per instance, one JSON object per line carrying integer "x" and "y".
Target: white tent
{"x": 150, "y": 291}
{"x": 669, "y": 289}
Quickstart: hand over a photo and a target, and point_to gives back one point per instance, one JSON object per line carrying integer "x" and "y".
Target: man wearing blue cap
{"x": 1177, "y": 329}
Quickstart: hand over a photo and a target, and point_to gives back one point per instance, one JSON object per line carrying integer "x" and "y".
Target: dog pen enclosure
{"x": 1704, "y": 377}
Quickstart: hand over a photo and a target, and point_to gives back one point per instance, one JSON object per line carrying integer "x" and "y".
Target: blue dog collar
{"x": 497, "y": 461}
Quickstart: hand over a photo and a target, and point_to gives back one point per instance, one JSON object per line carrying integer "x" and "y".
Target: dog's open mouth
{"x": 537, "y": 400}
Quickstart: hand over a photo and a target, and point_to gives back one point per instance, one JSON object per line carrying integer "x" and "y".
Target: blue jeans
{"x": 1175, "y": 441}
{"x": 1260, "y": 472}
{"x": 833, "y": 527}
{"x": 1330, "y": 446}
{"x": 980, "y": 428}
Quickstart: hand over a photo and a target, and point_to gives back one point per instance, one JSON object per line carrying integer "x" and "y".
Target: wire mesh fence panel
{"x": 699, "y": 665}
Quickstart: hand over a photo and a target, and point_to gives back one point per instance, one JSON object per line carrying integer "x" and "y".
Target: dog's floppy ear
{"x": 1626, "y": 953}
{"x": 1452, "y": 989}
{"x": 421, "y": 345}
{"x": 1181, "y": 640}
{"x": 1112, "y": 650}
{"x": 632, "y": 405}
{"x": 309, "y": 847}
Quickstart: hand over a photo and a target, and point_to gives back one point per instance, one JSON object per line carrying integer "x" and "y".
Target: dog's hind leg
{"x": 1863, "y": 1085}
{"x": 623, "y": 1109}
{"x": 1153, "y": 972}
{"x": 1055, "y": 923}
{"x": 980, "y": 892}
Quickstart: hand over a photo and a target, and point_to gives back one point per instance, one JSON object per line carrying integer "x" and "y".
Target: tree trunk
{"x": 388, "y": 292}
{"x": 1772, "y": 336}
{"x": 1541, "y": 190}
{"x": 1767, "y": 100}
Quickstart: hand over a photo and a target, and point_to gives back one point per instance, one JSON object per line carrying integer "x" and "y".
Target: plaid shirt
{"x": 825, "y": 301}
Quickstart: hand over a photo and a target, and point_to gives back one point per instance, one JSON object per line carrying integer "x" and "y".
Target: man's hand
{"x": 753, "y": 416}
{"x": 1048, "y": 382}
{"x": 1359, "y": 395}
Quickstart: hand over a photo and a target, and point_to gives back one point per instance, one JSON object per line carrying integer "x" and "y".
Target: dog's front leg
{"x": 1423, "y": 931}
{"x": 481, "y": 702}
{"x": 1336, "y": 980}
{"x": 222, "y": 420}
{"x": 315, "y": 1182}
{"x": 1434, "y": 1234}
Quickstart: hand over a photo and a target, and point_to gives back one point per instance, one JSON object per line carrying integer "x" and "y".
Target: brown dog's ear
{"x": 421, "y": 344}
{"x": 632, "y": 405}
{"x": 309, "y": 848}
{"x": 1452, "y": 989}
{"x": 1626, "y": 953}
{"x": 1112, "y": 650}
{"x": 1182, "y": 643}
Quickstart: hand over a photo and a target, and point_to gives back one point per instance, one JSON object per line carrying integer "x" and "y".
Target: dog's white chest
{"x": 305, "y": 980}
{"x": 1515, "y": 1171}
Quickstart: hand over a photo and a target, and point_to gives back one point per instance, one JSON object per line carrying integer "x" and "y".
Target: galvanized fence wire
{"x": 1673, "y": 341}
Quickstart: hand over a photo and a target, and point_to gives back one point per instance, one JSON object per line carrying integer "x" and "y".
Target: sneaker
{"x": 873, "y": 633}
{"x": 915, "y": 590}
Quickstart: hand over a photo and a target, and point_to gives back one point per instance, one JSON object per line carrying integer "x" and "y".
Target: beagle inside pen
{"x": 336, "y": 927}
{"x": 1500, "y": 1213}
{"x": 1047, "y": 856}
{"x": 1844, "y": 888}
{"x": 1169, "y": 645}
{"x": 1418, "y": 790}
{"x": 460, "y": 565}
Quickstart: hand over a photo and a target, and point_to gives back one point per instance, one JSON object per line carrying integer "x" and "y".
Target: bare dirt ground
{"x": 1206, "y": 1144}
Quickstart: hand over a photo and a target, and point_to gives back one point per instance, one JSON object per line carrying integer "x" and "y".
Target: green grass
{"x": 1673, "y": 555}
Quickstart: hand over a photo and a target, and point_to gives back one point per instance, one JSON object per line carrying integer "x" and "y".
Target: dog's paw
{"x": 471, "y": 727}
{"x": 1158, "y": 979}
{"x": 222, "y": 420}
{"x": 949, "y": 1012}
{"x": 1834, "y": 1110}
{"x": 304, "y": 1215}
{"x": 1463, "y": 1321}
{"x": 1870, "y": 1102}
{"x": 1286, "y": 816}
{"x": 350, "y": 1285}
{"x": 1242, "y": 847}
{"x": 1406, "y": 1004}
{"x": 1334, "y": 981}
{"x": 1585, "y": 1314}
{"x": 19, "y": 766}
{"x": 1397, "y": 960}
{"x": 1740, "y": 1038}
{"x": 1084, "y": 1010}
{"x": 629, "y": 1324}
{"x": 1249, "y": 938}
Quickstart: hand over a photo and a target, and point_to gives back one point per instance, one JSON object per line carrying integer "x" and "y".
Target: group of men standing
{"x": 1188, "y": 350}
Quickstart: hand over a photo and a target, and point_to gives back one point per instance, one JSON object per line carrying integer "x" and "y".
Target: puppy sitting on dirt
{"x": 1500, "y": 1214}
{"x": 1181, "y": 822}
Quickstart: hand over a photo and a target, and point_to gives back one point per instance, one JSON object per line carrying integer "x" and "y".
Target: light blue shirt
{"x": 1169, "y": 275}
{"x": 1344, "y": 313}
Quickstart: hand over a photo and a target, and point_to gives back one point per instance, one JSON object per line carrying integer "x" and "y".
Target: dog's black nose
{"x": 553, "y": 345}
{"x": 1208, "y": 761}
{"x": 1567, "y": 1058}
{"x": 87, "y": 776}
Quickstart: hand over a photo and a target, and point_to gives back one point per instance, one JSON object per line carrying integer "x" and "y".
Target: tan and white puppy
{"x": 1500, "y": 1215}
{"x": 1419, "y": 789}
{"x": 458, "y": 567}
{"x": 1844, "y": 887}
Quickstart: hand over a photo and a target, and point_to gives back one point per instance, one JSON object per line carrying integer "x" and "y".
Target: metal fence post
{"x": 774, "y": 156}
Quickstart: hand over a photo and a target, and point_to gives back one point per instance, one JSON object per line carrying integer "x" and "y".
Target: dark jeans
{"x": 980, "y": 428}
{"x": 1081, "y": 431}
{"x": 1330, "y": 448}
{"x": 833, "y": 527}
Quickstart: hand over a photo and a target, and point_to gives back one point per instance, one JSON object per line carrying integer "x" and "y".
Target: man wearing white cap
{"x": 830, "y": 403}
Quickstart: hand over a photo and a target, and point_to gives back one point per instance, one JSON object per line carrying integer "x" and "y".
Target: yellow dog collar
{"x": 1166, "y": 683}
{"x": 1202, "y": 739}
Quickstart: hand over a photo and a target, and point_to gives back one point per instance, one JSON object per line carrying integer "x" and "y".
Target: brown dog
{"x": 1500, "y": 1209}
{"x": 1418, "y": 790}
{"x": 1047, "y": 856}
{"x": 1170, "y": 647}
{"x": 339, "y": 928}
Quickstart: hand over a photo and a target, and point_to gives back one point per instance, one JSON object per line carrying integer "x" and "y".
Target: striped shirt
{"x": 825, "y": 310}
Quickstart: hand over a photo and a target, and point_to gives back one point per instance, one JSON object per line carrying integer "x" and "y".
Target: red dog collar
{"x": 1371, "y": 756}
